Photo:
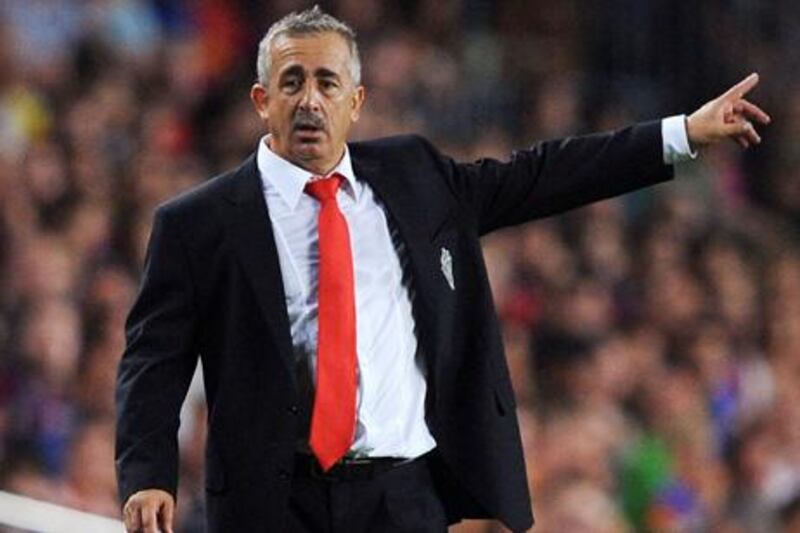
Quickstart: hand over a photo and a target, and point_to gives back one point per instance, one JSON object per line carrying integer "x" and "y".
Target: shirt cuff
{"x": 676, "y": 141}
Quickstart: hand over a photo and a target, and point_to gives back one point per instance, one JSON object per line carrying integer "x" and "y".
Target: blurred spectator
{"x": 653, "y": 341}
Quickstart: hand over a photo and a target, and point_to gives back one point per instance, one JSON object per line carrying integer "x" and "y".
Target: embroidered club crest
{"x": 447, "y": 267}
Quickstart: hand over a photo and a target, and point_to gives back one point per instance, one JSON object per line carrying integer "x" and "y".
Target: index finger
{"x": 744, "y": 86}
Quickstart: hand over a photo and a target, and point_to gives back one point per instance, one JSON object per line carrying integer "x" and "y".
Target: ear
{"x": 260, "y": 99}
{"x": 357, "y": 101}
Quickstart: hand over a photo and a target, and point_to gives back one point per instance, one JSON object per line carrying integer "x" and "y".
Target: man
{"x": 338, "y": 299}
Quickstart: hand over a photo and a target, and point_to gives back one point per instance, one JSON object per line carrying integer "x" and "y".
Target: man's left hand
{"x": 729, "y": 116}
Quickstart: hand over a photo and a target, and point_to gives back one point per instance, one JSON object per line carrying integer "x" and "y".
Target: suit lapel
{"x": 255, "y": 247}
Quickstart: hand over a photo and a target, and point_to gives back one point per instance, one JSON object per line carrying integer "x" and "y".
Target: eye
{"x": 291, "y": 84}
{"x": 328, "y": 84}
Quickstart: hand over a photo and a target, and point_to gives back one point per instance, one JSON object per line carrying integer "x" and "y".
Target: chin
{"x": 308, "y": 153}
{"x": 317, "y": 149}
{"x": 308, "y": 158}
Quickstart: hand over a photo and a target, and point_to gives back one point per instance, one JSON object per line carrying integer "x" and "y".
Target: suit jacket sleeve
{"x": 156, "y": 367}
{"x": 558, "y": 175}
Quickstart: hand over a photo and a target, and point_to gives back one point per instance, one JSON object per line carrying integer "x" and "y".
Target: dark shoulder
{"x": 396, "y": 145}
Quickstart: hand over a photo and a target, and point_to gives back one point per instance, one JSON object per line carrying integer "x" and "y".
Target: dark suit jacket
{"x": 212, "y": 287}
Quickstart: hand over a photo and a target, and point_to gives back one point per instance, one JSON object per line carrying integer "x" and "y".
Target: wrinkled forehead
{"x": 312, "y": 52}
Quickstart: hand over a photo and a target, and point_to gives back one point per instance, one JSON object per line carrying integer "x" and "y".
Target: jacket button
{"x": 293, "y": 409}
{"x": 283, "y": 475}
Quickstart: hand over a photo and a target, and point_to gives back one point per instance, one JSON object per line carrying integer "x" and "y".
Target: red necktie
{"x": 333, "y": 419}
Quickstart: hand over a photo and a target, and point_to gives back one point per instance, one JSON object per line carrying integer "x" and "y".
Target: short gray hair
{"x": 306, "y": 22}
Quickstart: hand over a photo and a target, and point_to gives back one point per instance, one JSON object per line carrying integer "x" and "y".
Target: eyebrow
{"x": 322, "y": 72}
{"x": 294, "y": 70}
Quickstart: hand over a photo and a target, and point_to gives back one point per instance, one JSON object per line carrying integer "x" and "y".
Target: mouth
{"x": 308, "y": 132}
{"x": 308, "y": 127}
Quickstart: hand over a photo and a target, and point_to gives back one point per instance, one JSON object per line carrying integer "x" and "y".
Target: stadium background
{"x": 654, "y": 340}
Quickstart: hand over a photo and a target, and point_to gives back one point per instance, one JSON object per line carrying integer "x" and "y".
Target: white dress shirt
{"x": 391, "y": 390}
{"x": 391, "y": 382}
{"x": 676, "y": 140}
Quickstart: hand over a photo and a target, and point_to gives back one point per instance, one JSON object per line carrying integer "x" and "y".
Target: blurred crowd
{"x": 654, "y": 340}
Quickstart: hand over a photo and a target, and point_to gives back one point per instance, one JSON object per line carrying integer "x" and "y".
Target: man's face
{"x": 311, "y": 99}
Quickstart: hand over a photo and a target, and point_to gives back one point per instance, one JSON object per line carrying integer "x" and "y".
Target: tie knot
{"x": 324, "y": 188}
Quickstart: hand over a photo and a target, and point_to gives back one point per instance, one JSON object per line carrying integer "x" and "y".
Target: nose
{"x": 309, "y": 100}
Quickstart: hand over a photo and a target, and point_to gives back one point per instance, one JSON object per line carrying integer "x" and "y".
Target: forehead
{"x": 327, "y": 50}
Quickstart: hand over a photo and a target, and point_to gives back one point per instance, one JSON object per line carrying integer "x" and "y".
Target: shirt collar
{"x": 289, "y": 180}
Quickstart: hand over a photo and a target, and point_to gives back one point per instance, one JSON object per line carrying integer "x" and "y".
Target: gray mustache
{"x": 307, "y": 119}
